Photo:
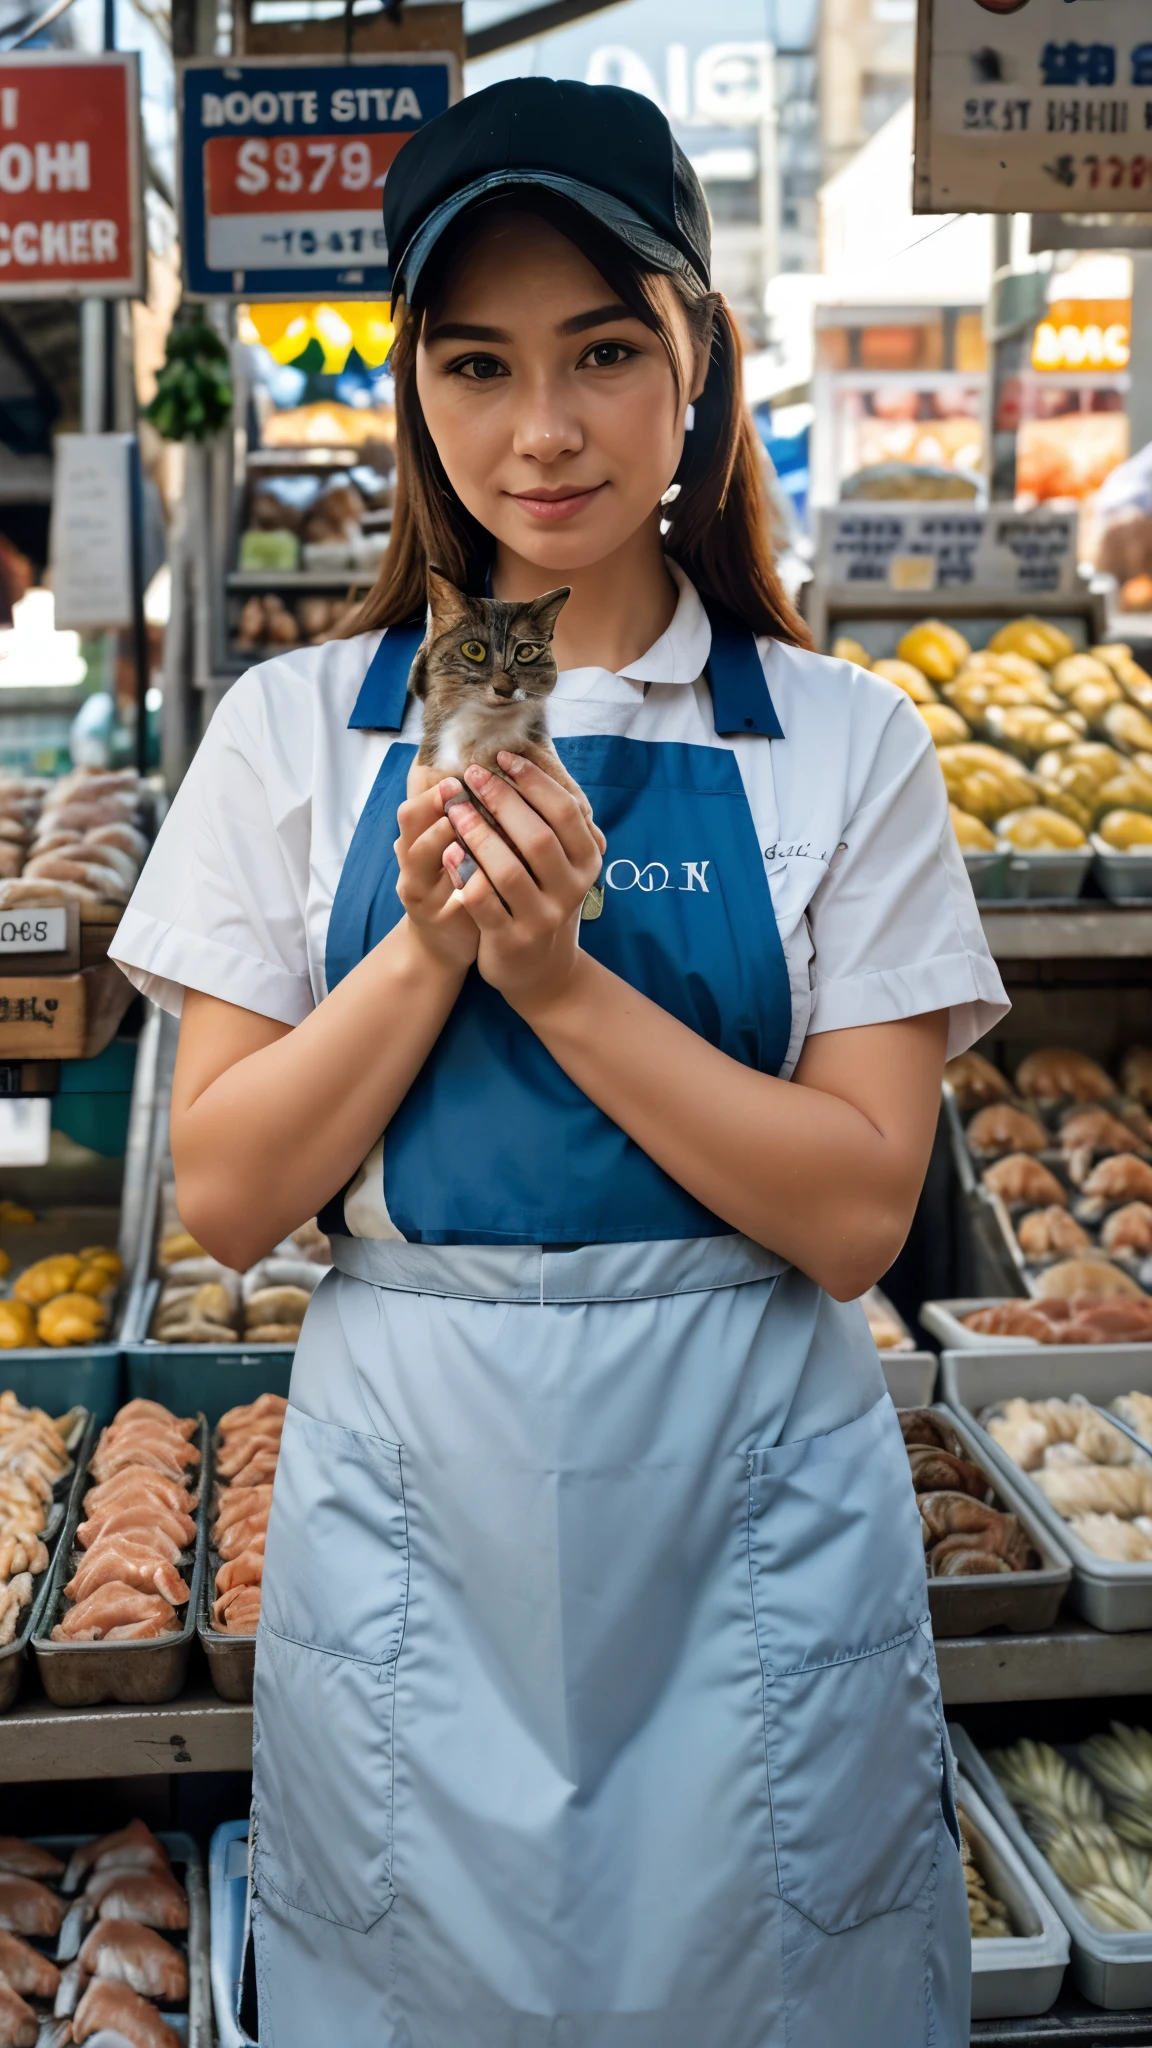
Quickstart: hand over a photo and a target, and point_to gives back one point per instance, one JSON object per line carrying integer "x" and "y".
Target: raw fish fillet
{"x": 141, "y": 1411}
{"x": 259, "y": 1470}
{"x": 27, "y": 1859}
{"x": 27, "y": 1907}
{"x": 241, "y": 1536}
{"x": 14, "y": 1597}
{"x": 238, "y": 1612}
{"x": 152, "y": 1897}
{"x": 123, "y": 2011}
{"x": 19, "y": 2026}
{"x": 245, "y": 1570}
{"x": 252, "y": 1411}
{"x": 117, "y": 1561}
{"x": 123, "y": 1952}
{"x": 150, "y": 1517}
{"x": 136, "y": 1484}
{"x": 112, "y": 1607}
{"x": 239, "y": 1453}
{"x": 25, "y": 1969}
{"x": 236, "y": 1505}
{"x": 132, "y": 1848}
{"x": 151, "y": 1453}
{"x": 137, "y": 1632}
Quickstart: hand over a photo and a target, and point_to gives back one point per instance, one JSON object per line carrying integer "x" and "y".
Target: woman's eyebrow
{"x": 599, "y": 315}
{"x": 451, "y": 330}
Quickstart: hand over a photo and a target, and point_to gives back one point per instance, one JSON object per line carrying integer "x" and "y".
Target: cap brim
{"x": 620, "y": 220}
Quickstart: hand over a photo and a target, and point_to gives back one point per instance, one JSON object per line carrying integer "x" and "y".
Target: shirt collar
{"x": 680, "y": 653}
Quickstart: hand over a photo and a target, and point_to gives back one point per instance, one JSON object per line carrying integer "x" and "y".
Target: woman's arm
{"x": 268, "y": 1122}
{"x": 826, "y": 1169}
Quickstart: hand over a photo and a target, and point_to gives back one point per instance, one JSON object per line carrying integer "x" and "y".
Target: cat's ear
{"x": 446, "y": 602}
{"x": 544, "y": 611}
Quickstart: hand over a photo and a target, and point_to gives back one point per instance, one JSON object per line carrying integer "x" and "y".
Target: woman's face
{"x": 553, "y": 409}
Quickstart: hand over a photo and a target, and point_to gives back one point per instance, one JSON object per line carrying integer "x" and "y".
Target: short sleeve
{"x": 220, "y": 904}
{"x": 894, "y": 924}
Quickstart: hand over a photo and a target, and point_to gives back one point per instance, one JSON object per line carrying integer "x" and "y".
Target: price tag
{"x": 912, "y": 572}
{"x": 34, "y": 931}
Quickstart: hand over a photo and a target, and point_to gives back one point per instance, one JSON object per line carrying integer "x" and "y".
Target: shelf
{"x": 1084, "y": 931}
{"x": 1071, "y": 2019}
{"x": 197, "y": 1732}
{"x": 259, "y": 580}
{"x": 1070, "y": 1662}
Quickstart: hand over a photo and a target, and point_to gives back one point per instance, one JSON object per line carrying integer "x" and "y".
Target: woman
{"x": 595, "y": 1699}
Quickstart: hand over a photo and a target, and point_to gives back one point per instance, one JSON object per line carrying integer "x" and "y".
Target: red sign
{"x": 71, "y": 219}
{"x": 290, "y": 174}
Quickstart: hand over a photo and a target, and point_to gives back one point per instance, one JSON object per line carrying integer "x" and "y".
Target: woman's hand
{"x": 424, "y": 885}
{"x": 529, "y": 949}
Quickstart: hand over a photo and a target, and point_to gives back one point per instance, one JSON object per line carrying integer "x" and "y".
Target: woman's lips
{"x": 563, "y": 506}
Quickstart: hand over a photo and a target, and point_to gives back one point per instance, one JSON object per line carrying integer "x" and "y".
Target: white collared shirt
{"x": 872, "y": 901}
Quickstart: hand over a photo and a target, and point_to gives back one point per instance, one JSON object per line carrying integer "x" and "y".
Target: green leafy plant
{"x": 194, "y": 389}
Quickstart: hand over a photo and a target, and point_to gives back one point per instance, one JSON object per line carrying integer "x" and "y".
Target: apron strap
{"x": 741, "y": 700}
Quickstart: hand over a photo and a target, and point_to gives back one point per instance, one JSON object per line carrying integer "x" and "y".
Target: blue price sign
{"x": 283, "y": 162}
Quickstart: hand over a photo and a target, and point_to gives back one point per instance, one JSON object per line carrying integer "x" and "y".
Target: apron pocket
{"x": 332, "y": 1620}
{"x": 851, "y": 1718}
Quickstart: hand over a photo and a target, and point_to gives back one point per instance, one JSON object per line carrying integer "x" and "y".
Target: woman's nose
{"x": 547, "y": 425}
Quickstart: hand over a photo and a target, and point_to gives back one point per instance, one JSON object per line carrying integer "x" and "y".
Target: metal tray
{"x": 1026, "y": 1602}
{"x": 943, "y": 1319}
{"x": 231, "y": 1659}
{"x": 1112, "y": 1970}
{"x": 1124, "y": 877}
{"x": 212, "y": 1379}
{"x": 135, "y": 1674}
{"x": 988, "y": 873}
{"x": 59, "y": 1380}
{"x": 13, "y": 1655}
{"x": 1013, "y": 1976}
{"x": 910, "y": 1377}
{"x": 1112, "y": 1596}
{"x": 186, "y": 1857}
{"x": 1056, "y": 876}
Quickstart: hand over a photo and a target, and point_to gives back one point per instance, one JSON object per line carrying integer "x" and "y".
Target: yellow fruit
{"x": 1092, "y": 700}
{"x": 48, "y": 1277}
{"x": 103, "y": 1255}
{"x": 1026, "y": 729}
{"x": 179, "y": 1244}
{"x": 1136, "y": 684}
{"x": 972, "y": 835}
{"x": 1079, "y": 668}
{"x": 945, "y": 725}
{"x": 1128, "y": 791}
{"x": 1113, "y": 651}
{"x": 1070, "y": 803}
{"x": 71, "y": 1319}
{"x": 906, "y": 678}
{"x": 15, "y": 1212}
{"x": 1126, "y": 829}
{"x": 5, "y": 1262}
{"x": 935, "y": 648}
{"x": 845, "y": 649}
{"x": 1129, "y": 728}
{"x": 1035, "y": 638}
{"x": 17, "y": 1325}
{"x": 1039, "y": 830}
{"x": 1015, "y": 668}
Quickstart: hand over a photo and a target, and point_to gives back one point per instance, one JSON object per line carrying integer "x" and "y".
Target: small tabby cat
{"x": 484, "y": 671}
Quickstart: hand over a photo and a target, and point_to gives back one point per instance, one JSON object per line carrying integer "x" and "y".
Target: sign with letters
{"x": 1034, "y": 106}
{"x": 873, "y": 548}
{"x": 283, "y": 163}
{"x": 71, "y": 211}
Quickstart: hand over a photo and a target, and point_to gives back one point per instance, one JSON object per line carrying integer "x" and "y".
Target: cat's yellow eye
{"x": 474, "y": 650}
{"x": 528, "y": 650}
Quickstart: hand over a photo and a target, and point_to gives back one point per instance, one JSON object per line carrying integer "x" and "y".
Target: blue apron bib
{"x": 687, "y": 919}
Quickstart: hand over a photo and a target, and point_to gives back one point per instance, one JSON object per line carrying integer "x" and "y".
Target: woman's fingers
{"x": 569, "y": 816}
{"x": 509, "y": 874}
{"x": 422, "y": 807}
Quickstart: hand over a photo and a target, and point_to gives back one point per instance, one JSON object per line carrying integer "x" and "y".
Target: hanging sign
{"x": 1034, "y": 106}
{"x": 71, "y": 212}
{"x": 91, "y": 538}
{"x": 872, "y": 549}
{"x": 283, "y": 162}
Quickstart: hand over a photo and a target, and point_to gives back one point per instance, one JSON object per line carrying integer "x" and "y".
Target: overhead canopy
{"x": 523, "y": 25}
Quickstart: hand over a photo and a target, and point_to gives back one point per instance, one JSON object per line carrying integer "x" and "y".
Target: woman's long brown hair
{"x": 718, "y": 525}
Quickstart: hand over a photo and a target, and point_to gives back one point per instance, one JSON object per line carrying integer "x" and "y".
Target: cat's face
{"x": 500, "y": 650}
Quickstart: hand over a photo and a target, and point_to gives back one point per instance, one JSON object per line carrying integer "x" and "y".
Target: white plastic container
{"x": 1019, "y": 1975}
{"x": 943, "y": 1319}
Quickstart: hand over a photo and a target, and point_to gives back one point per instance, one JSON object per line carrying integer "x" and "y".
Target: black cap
{"x": 607, "y": 150}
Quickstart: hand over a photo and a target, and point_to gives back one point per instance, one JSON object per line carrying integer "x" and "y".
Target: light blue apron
{"x": 596, "y": 1703}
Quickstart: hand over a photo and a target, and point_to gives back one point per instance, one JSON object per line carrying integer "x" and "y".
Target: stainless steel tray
{"x": 1112, "y": 1596}
{"x": 988, "y": 873}
{"x": 190, "y": 1869}
{"x": 1053, "y": 876}
{"x": 1025, "y": 1602}
{"x": 1019, "y": 1975}
{"x": 910, "y": 1377}
{"x": 231, "y": 1659}
{"x": 12, "y": 1657}
{"x": 1112, "y": 1970}
{"x": 1124, "y": 877}
{"x": 135, "y": 1674}
{"x": 943, "y": 1318}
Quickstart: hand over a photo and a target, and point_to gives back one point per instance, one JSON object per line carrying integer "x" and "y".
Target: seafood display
{"x": 1090, "y": 1472}
{"x": 65, "y": 1299}
{"x": 202, "y": 1301}
{"x": 34, "y": 1458}
{"x": 79, "y": 839}
{"x": 133, "y": 1548}
{"x": 245, "y": 1468}
{"x": 1067, "y": 1149}
{"x": 1091, "y": 1820}
{"x": 123, "y": 1980}
{"x": 966, "y": 1534}
{"x": 988, "y": 1917}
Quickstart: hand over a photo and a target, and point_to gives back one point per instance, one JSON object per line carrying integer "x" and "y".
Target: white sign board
{"x": 1034, "y": 106}
{"x": 91, "y": 543}
{"x": 872, "y": 549}
{"x": 34, "y": 931}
